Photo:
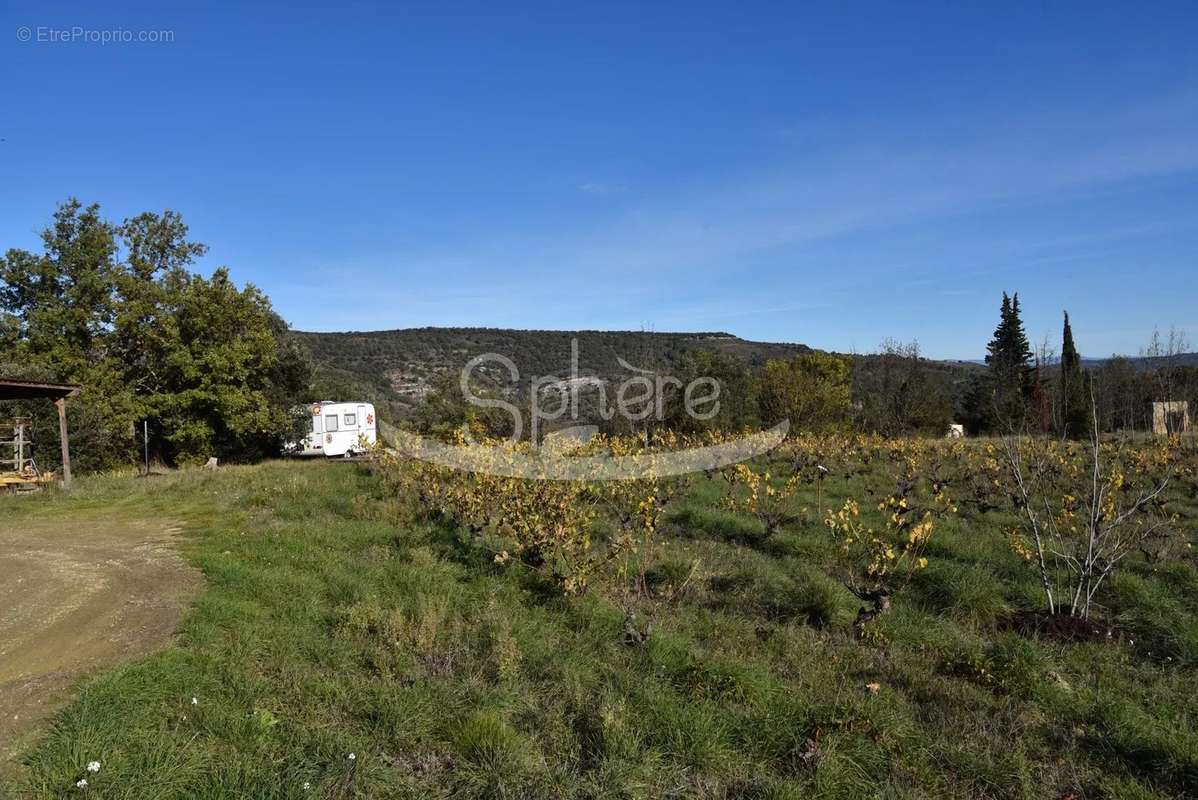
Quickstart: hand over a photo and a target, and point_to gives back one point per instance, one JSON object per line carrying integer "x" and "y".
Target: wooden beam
{"x": 32, "y": 390}
{"x": 61, "y": 405}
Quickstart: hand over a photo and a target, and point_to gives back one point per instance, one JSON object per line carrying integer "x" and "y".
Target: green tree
{"x": 446, "y": 409}
{"x": 217, "y": 394}
{"x": 897, "y": 395}
{"x": 144, "y": 331}
{"x": 114, "y": 309}
{"x": 1010, "y": 381}
{"x": 61, "y": 304}
{"x": 738, "y": 405}
{"x": 811, "y": 390}
{"x": 63, "y": 298}
{"x": 1077, "y": 416}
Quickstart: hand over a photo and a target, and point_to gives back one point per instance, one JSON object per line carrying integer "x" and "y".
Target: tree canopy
{"x": 897, "y": 394}
{"x": 115, "y": 308}
{"x": 811, "y": 391}
{"x": 1078, "y": 419}
{"x": 1001, "y": 398}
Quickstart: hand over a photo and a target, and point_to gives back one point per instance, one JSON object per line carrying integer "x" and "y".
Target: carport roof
{"x": 33, "y": 390}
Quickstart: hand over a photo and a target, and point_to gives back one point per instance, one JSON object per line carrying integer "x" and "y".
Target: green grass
{"x": 331, "y": 625}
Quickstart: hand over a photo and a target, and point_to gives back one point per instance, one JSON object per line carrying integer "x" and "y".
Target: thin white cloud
{"x": 804, "y": 202}
{"x": 645, "y": 261}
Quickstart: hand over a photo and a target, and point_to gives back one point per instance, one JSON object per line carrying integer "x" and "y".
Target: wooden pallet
{"x": 25, "y": 482}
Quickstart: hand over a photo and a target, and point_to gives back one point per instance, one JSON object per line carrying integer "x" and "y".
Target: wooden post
{"x": 61, "y": 405}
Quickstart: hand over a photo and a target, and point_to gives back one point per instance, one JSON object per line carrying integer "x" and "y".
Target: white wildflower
{"x": 352, "y": 756}
{"x": 93, "y": 766}
{"x": 307, "y": 786}
{"x": 81, "y": 783}
{"x": 195, "y": 702}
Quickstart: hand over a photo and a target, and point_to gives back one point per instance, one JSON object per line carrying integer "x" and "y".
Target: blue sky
{"x": 830, "y": 176}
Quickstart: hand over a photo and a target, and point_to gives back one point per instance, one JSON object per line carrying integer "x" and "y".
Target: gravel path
{"x": 75, "y": 596}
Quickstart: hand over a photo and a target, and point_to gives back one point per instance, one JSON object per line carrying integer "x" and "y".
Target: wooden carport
{"x": 58, "y": 392}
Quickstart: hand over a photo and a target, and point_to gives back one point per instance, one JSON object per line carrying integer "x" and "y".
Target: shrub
{"x": 876, "y": 562}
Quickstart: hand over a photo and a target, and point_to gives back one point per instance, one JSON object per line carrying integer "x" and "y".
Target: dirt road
{"x": 75, "y": 596}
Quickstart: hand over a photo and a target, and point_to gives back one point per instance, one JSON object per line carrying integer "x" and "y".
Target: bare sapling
{"x": 1083, "y": 511}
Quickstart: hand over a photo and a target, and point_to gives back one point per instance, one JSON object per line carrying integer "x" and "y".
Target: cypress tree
{"x": 1076, "y": 416}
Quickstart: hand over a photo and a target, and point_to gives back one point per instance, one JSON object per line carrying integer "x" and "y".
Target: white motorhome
{"x": 339, "y": 429}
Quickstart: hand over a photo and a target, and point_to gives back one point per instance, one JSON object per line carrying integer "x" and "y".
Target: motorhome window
{"x": 351, "y": 420}
{"x": 316, "y": 427}
{"x": 330, "y": 423}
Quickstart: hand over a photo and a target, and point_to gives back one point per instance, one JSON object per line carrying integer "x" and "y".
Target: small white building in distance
{"x": 955, "y": 431}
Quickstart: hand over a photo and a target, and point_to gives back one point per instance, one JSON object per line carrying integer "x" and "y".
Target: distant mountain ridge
{"x": 1141, "y": 362}
{"x": 403, "y": 363}
{"x": 1148, "y": 362}
{"x": 399, "y": 367}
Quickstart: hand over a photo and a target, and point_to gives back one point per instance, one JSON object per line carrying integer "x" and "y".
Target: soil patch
{"x": 77, "y": 595}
